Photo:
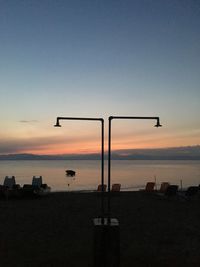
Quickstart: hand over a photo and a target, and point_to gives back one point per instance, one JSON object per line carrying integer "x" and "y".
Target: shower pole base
{"x": 106, "y": 242}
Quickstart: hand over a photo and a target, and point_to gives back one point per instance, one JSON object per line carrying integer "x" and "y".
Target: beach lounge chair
{"x": 9, "y": 182}
{"x": 37, "y": 188}
{"x": 149, "y": 187}
{"x": 28, "y": 191}
{"x": 10, "y": 188}
{"x": 171, "y": 190}
{"x": 163, "y": 187}
{"x": 37, "y": 181}
{"x": 190, "y": 193}
{"x": 99, "y": 188}
{"x": 40, "y": 188}
{"x": 116, "y": 188}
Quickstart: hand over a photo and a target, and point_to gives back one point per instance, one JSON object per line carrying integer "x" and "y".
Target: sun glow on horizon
{"x": 94, "y": 146}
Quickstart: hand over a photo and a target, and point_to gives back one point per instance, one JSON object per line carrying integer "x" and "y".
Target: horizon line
{"x": 106, "y": 151}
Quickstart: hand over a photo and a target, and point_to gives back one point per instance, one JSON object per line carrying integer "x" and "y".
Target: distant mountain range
{"x": 173, "y": 153}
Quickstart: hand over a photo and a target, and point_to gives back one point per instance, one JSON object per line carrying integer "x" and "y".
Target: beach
{"x": 58, "y": 230}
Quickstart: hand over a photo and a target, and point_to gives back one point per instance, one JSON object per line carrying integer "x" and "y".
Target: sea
{"x": 131, "y": 174}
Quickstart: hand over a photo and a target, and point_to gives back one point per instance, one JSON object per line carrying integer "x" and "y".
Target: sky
{"x": 98, "y": 58}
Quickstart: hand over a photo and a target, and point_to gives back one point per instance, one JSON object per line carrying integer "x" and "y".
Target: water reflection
{"x": 131, "y": 174}
{"x": 69, "y": 179}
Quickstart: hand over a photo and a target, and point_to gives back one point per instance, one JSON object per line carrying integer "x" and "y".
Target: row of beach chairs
{"x": 114, "y": 188}
{"x": 11, "y": 189}
{"x": 172, "y": 190}
{"x": 165, "y": 189}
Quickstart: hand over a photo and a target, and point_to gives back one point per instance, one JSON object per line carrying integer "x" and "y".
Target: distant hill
{"x": 173, "y": 153}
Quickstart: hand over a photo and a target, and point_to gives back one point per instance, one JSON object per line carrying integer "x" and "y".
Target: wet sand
{"x": 58, "y": 230}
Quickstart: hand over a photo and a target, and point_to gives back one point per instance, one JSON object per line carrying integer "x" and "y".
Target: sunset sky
{"x": 96, "y": 58}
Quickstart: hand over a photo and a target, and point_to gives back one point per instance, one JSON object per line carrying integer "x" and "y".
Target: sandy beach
{"x": 58, "y": 230}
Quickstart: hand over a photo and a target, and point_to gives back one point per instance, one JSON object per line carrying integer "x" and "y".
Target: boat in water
{"x": 70, "y": 173}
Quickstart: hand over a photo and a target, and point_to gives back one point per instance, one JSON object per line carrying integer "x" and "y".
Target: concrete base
{"x": 106, "y": 242}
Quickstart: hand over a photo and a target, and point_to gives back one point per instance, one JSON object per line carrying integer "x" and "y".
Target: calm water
{"x": 131, "y": 174}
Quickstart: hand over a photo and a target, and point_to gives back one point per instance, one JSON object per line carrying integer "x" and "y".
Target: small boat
{"x": 70, "y": 173}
